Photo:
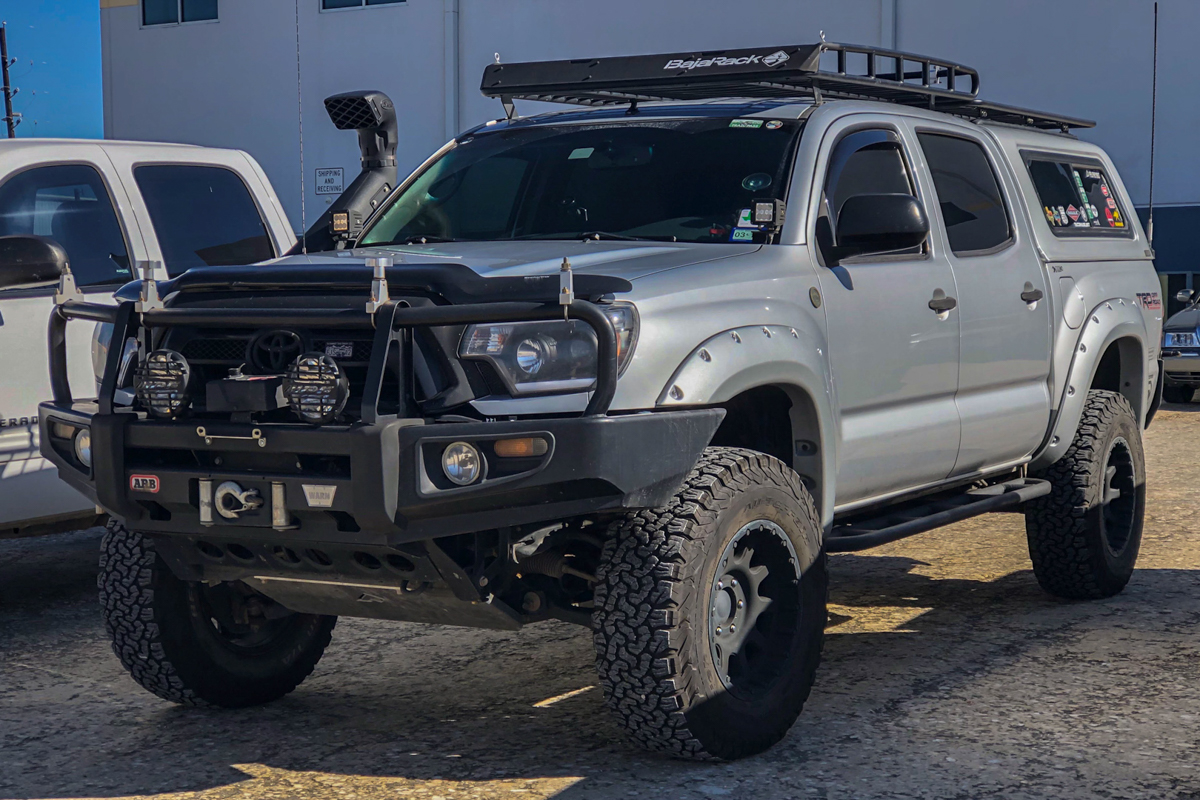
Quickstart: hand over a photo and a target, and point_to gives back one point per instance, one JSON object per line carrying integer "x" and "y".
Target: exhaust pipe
{"x": 373, "y": 115}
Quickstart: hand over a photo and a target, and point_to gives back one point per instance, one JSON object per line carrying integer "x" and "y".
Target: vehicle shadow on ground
{"x": 397, "y": 708}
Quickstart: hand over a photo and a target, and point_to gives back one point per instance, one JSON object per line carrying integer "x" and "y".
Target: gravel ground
{"x": 947, "y": 674}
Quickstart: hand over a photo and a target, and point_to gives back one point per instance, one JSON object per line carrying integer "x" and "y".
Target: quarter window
{"x": 203, "y": 216}
{"x": 69, "y": 204}
{"x": 863, "y": 162}
{"x": 1077, "y": 197}
{"x": 971, "y": 202}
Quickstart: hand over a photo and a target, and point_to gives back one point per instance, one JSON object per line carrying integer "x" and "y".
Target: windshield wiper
{"x": 597, "y": 236}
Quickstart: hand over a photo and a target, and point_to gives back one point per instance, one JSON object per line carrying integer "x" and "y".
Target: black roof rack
{"x": 861, "y": 73}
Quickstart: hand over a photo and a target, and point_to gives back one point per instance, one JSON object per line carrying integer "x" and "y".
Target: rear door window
{"x": 68, "y": 203}
{"x": 971, "y": 202}
{"x": 1077, "y": 197}
{"x": 203, "y": 216}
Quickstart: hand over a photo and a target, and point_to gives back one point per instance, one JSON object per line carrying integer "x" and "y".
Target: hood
{"x": 628, "y": 260}
{"x": 1186, "y": 320}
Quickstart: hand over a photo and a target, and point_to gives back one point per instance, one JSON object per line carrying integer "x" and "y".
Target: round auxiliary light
{"x": 162, "y": 383}
{"x": 316, "y": 388}
{"x": 83, "y": 446}
{"x": 461, "y": 463}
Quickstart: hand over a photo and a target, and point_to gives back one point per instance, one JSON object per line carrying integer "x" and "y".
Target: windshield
{"x": 687, "y": 180}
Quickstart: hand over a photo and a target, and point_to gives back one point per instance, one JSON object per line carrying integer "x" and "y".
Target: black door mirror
{"x": 30, "y": 261}
{"x": 880, "y": 223}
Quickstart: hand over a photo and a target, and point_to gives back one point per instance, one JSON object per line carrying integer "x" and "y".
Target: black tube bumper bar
{"x": 125, "y": 320}
{"x": 389, "y": 488}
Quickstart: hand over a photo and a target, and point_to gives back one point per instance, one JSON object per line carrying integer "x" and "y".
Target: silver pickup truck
{"x": 640, "y": 365}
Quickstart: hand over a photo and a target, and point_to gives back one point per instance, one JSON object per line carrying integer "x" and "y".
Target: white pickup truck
{"x": 111, "y": 205}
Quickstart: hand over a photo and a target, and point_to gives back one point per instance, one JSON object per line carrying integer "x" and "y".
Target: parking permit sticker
{"x": 746, "y": 123}
{"x": 744, "y": 220}
{"x": 742, "y": 235}
{"x": 143, "y": 483}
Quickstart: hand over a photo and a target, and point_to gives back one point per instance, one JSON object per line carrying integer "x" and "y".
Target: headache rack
{"x": 821, "y": 71}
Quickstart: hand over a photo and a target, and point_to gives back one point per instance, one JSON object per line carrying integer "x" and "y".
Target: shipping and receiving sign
{"x": 330, "y": 180}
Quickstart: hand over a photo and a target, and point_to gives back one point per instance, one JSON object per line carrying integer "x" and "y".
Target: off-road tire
{"x": 160, "y": 637}
{"x": 651, "y": 626}
{"x": 1077, "y": 554}
{"x": 1178, "y": 394}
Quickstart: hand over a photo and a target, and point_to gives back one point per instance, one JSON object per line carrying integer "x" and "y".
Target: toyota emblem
{"x": 272, "y": 352}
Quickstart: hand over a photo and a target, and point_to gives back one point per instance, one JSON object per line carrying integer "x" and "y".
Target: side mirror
{"x": 30, "y": 261}
{"x": 1184, "y": 295}
{"x": 880, "y": 223}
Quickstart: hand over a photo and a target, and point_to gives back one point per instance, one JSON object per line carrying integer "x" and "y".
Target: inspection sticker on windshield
{"x": 744, "y": 219}
{"x": 581, "y": 152}
{"x": 746, "y": 123}
{"x": 742, "y": 235}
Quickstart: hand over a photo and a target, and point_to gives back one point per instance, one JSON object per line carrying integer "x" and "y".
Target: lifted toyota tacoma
{"x": 640, "y": 365}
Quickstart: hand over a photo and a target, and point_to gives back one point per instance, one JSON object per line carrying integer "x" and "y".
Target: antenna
{"x": 11, "y": 119}
{"x": 300, "y": 128}
{"x": 1153, "y": 119}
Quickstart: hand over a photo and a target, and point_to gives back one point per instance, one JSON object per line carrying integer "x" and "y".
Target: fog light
{"x": 461, "y": 463}
{"x": 83, "y": 447}
{"x": 316, "y": 388}
{"x": 526, "y": 447}
{"x": 163, "y": 383}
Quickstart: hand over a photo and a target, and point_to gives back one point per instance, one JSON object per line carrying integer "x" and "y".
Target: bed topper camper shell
{"x": 857, "y": 72}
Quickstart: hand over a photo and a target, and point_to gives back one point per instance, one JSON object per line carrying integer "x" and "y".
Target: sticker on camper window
{"x": 746, "y": 123}
{"x": 1075, "y": 195}
{"x": 581, "y": 152}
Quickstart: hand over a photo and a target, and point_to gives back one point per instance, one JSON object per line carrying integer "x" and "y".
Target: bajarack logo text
{"x": 773, "y": 60}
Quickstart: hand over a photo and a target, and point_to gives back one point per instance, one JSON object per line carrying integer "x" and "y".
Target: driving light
{"x": 461, "y": 463}
{"x": 316, "y": 388}
{"x": 162, "y": 383}
{"x": 83, "y": 447}
{"x": 1179, "y": 339}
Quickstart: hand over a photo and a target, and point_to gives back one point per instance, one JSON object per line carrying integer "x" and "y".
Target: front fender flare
{"x": 744, "y": 358}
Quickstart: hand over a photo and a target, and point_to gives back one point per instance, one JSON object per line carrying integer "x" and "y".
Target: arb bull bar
{"x": 384, "y": 496}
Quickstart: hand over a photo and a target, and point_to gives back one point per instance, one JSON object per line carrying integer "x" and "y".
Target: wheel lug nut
{"x": 718, "y": 630}
{"x": 741, "y": 603}
{"x": 720, "y": 584}
{"x": 733, "y": 628}
{"x": 733, "y": 582}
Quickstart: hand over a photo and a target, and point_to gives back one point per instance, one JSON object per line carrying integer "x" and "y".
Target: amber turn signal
{"x": 527, "y": 447}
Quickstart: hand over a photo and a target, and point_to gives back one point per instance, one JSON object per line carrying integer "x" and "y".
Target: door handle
{"x": 1031, "y": 295}
{"x": 941, "y": 303}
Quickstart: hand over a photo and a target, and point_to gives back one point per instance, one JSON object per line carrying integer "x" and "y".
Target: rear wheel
{"x": 1084, "y": 536}
{"x": 1178, "y": 394}
{"x": 710, "y": 612}
{"x": 195, "y": 644}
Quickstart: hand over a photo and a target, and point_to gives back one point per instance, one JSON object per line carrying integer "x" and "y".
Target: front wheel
{"x": 710, "y": 612}
{"x": 195, "y": 644}
{"x": 1084, "y": 536}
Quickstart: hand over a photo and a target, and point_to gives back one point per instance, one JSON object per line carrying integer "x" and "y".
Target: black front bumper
{"x": 385, "y": 477}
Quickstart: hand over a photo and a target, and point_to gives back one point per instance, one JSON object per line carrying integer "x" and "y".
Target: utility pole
{"x": 10, "y": 119}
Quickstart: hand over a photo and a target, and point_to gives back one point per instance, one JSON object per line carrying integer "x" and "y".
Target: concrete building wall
{"x": 233, "y": 82}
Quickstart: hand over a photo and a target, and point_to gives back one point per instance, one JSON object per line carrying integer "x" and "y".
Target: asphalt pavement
{"x": 947, "y": 674}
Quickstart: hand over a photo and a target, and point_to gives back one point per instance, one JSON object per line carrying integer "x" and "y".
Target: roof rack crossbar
{"x": 794, "y": 71}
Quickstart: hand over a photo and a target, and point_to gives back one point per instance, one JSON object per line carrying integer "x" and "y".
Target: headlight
{"x": 550, "y": 356}
{"x": 316, "y": 388}
{"x": 1179, "y": 339}
{"x": 163, "y": 383}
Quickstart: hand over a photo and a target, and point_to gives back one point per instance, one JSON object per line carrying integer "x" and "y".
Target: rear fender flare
{"x": 1111, "y": 320}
